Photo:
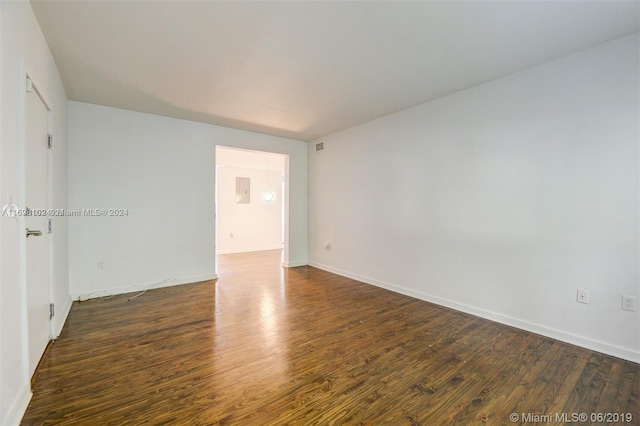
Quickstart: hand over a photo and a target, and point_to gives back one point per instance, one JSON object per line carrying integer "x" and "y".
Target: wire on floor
{"x": 149, "y": 287}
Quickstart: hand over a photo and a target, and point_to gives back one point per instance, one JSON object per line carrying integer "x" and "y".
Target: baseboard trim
{"x": 573, "y": 339}
{"x": 247, "y": 250}
{"x": 295, "y": 264}
{"x": 143, "y": 286}
{"x": 18, "y": 407}
{"x": 61, "y": 317}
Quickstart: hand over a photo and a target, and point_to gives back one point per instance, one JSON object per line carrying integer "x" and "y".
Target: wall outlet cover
{"x": 629, "y": 303}
{"x": 583, "y": 296}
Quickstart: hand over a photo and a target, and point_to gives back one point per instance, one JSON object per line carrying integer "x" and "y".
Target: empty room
{"x": 319, "y": 212}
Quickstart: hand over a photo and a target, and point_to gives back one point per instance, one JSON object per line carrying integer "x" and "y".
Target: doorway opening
{"x": 251, "y": 201}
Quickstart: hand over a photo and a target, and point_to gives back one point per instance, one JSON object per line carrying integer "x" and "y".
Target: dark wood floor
{"x": 265, "y": 345}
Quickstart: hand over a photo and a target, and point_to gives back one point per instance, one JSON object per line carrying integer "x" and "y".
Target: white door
{"x": 37, "y": 246}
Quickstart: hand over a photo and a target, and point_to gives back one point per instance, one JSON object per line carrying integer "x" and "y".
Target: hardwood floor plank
{"x": 554, "y": 396}
{"x": 512, "y": 362}
{"x": 581, "y": 389}
{"x": 267, "y": 345}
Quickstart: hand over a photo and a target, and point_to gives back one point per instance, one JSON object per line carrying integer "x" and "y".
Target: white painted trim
{"x": 585, "y": 342}
{"x": 60, "y": 317}
{"x": 143, "y": 286}
{"x": 246, "y": 250}
{"x": 22, "y": 241}
{"x": 18, "y": 407}
{"x": 295, "y": 264}
{"x": 286, "y": 234}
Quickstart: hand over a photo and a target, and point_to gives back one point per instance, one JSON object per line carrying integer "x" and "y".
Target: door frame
{"x": 23, "y": 76}
{"x": 285, "y": 201}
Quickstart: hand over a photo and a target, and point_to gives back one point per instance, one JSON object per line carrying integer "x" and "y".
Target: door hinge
{"x": 49, "y": 141}
{"x": 50, "y": 226}
{"x": 52, "y": 310}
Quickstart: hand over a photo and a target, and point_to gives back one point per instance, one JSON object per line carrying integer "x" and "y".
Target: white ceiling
{"x": 307, "y": 69}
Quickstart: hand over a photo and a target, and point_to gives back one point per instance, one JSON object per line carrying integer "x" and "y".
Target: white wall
{"x": 21, "y": 37}
{"x": 163, "y": 171}
{"x": 500, "y": 200}
{"x": 257, "y": 225}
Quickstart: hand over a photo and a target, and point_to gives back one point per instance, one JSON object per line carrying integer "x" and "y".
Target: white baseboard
{"x": 18, "y": 407}
{"x": 573, "y": 339}
{"x": 61, "y": 316}
{"x": 294, "y": 264}
{"x": 246, "y": 250}
{"x": 143, "y": 286}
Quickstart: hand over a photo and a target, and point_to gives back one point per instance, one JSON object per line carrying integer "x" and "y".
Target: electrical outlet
{"x": 583, "y": 296}
{"x": 100, "y": 265}
{"x": 628, "y": 303}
